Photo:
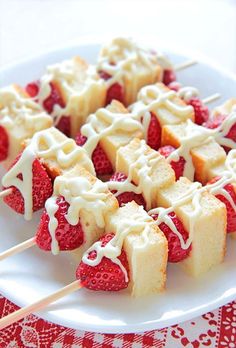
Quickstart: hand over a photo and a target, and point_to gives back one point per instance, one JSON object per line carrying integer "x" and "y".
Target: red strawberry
{"x": 177, "y": 166}
{"x": 126, "y": 197}
{"x": 107, "y": 275}
{"x": 231, "y": 214}
{"x": 201, "y": 111}
{"x": 176, "y": 253}
{"x": 4, "y": 144}
{"x": 168, "y": 76}
{"x": 69, "y": 237}
{"x": 115, "y": 91}
{"x": 154, "y": 133}
{"x": 32, "y": 89}
{"x": 42, "y": 189}
{"x": 175, "y": 86}
{"x": 101, "y": 163}
{"x": 64, "y": 125}
{"x": 53, "y": 99}
{"x": 216, "y": 122}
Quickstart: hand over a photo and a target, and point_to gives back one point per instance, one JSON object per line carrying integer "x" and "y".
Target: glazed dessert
{"x": 20, "y": 118}
{"x": 152, "y": 144}
{"x": 69, "y": 91}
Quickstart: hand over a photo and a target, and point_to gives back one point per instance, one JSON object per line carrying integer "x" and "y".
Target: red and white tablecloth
{"x": 216, "y": 329}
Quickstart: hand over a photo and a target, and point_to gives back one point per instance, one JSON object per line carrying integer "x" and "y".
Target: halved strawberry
{"x": 115, "y": 91}
{"x": 4, "y": 144}
{"x": 107, "y": 275}
{"x": 54, "y": 98}
{"x": 101, "y": 163}
{"x": 64, "y": 125}
{"x": 175, "y": 253}
{"x": 32, "y": 89}
{"x": 69, "y": 237}
{"x": 126, "y": 197}
{"x": 231, "y": 214}
{"x": 201, "y": 111}
{"x": 154, "y": 133}
{"x": 41, "y": 188}
{"x": 168, "y": 76}
{"x": 177, "y": 166}
{"x": 216, "y": 122}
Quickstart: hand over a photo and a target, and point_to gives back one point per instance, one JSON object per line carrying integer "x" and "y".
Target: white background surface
{"x": 28, "y": 27}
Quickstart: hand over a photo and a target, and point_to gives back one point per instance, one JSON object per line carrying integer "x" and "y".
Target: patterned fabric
{"x": 216, "y": 329}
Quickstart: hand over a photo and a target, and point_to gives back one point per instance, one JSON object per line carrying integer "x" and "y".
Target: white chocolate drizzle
{"x": 80, "y": 194}
{"x": 143, "y": 163}
{"x": 111, "y": 122}
{"x": 186, "y": 93}
{"x": 45, "y": 145}
{"x": 193, "y": 195}
{"x": 159, "y": 100}
{"x": 221, "y": 131}
{"x": 136, "y": 223}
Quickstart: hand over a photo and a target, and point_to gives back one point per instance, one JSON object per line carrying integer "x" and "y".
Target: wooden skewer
{"x": 211, "y": 98}
{"x": 18, "y": 248}
{"x": 35, "y": 307}
{"x": 184, "y": 65}
{"x": 5, "y": 193}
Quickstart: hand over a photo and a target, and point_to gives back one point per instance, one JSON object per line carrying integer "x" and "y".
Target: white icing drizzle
{"x": 16, "y": 110}
{"x": 194, "y": 136}
{"x": 186, "y": 93}
{"x": 112, "y": 250}
{"x": 221, "y": 131}
{"x": 74, "y": 78}
{"x": 123, "y": 57}
{"x": 159, "y": 100}
{"x": 193, "y": 195}
{"x": 80, "y": 194}
{"x": 111, "y": 123}
{"x": 143, "y": 163}
{"x": 44, "y": 145}
{"x": 51, "y": 208}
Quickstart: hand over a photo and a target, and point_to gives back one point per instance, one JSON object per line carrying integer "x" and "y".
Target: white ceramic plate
{"x": 35, "y": 274}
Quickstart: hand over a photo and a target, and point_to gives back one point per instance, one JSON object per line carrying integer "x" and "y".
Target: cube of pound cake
{"x": 129, "y": 65}
{"x": 198, "y": 147}
{"x": 145, "y": 246}
{"x": 146, "y": 168}
{"x": 57, "y": 152}
{"x": 89, "y": 200}
{"x": 164, "y": 103}
{"x": 206, "y": 227}
{"x": 20, "y": 117}
{"x": 80, "y": 87}
{"x": 111, "y": 127}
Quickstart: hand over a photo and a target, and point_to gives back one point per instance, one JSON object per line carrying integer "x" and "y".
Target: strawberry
{"x": 201, "y": 111}
{"x": 168, "y": 76}
{"x": 176, "y": 253}
{"x": 69, "y": 237}
{"x": 64, "y": 125}
{"x": 177, "y": 166}
{"x": 115, "y": 91}
{"x": 126, "y": 197}
{"x": 4, "y": 144}
{"x": 231, "y": 214}
{"x": 174, "y": 86}
{"x": 216, "y": 122}
{"x": 32, "y": 89}
{"x": 41, "y": 189}
{"x": 154, "y": 133}
{"x": 107, "y": 275}
{"x": 101, "y": 163}
{"x": 53, "y": 99}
